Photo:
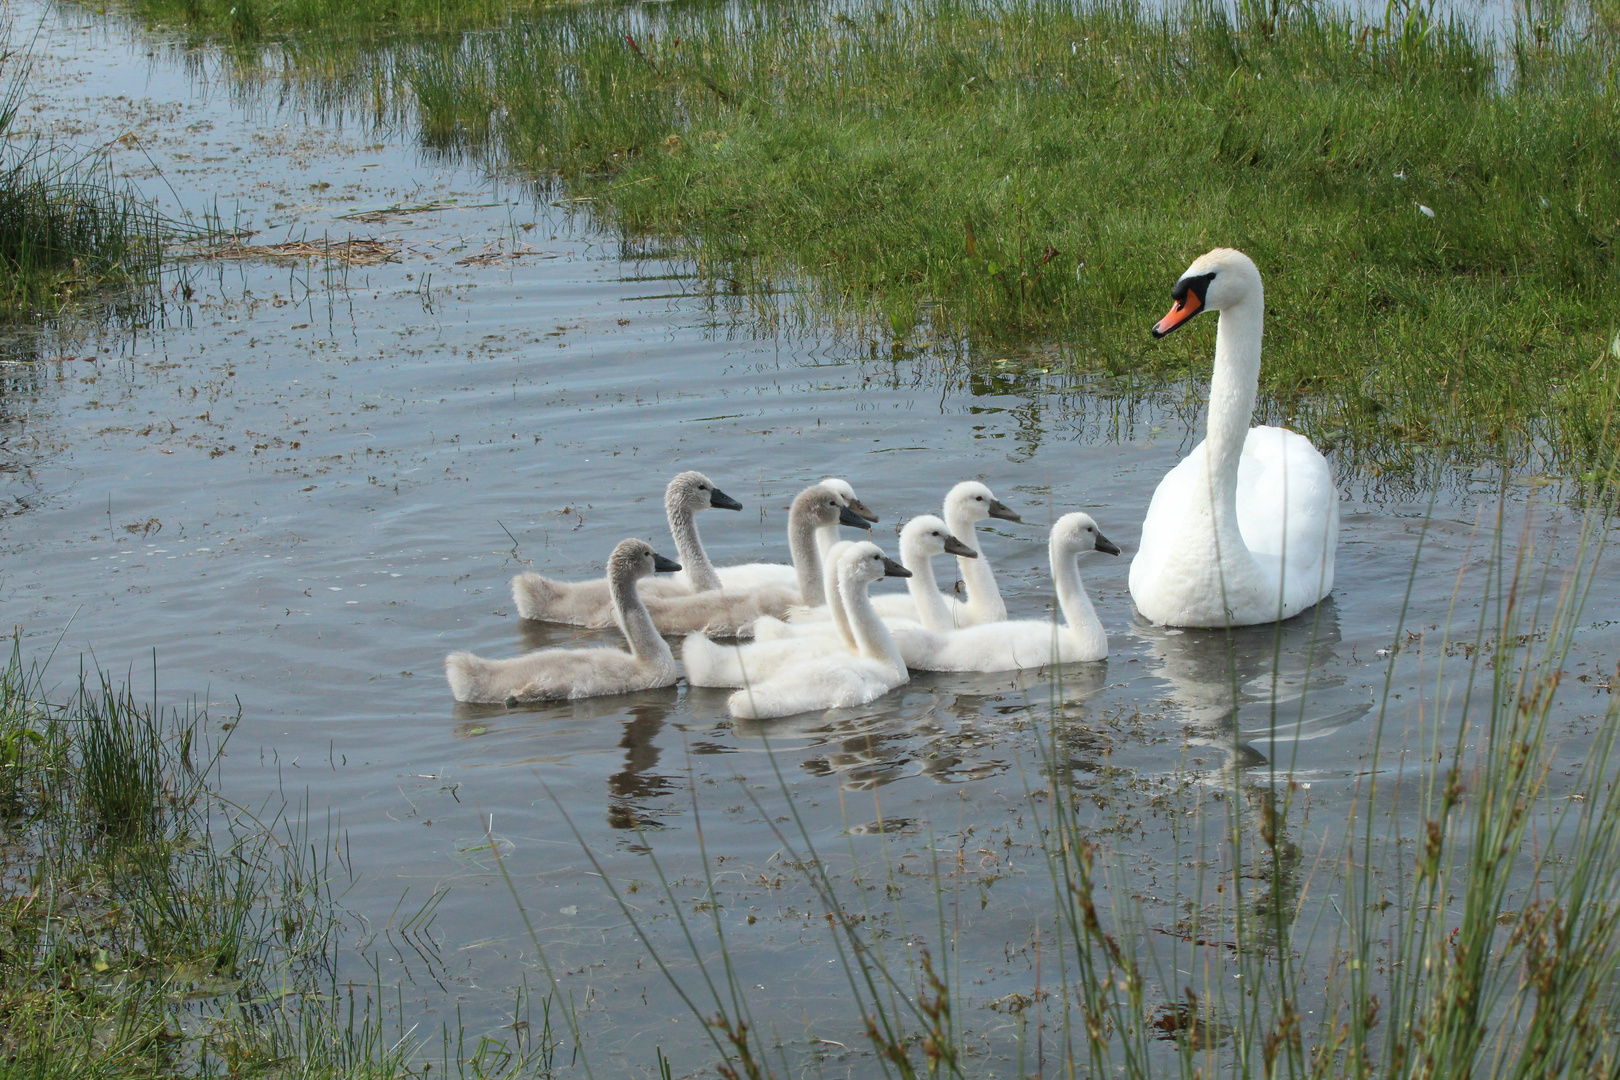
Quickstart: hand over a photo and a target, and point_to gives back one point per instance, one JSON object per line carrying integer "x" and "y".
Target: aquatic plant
{"x": 69, "y": 232}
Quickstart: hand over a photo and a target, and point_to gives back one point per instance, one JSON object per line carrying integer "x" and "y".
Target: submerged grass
{"x": 1435, "y": 215}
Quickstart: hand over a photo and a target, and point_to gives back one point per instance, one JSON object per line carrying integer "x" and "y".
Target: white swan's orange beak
{"x": 1185, "y": 308}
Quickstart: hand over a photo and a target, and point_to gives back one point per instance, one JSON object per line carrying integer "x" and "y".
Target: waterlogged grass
{"x": 149, "y": 928}
{"x": 1451, "y": 913}
{"x": 1435, "y": 216}
{"x": 68, "y": 231}
{"x": 250, "y": 22}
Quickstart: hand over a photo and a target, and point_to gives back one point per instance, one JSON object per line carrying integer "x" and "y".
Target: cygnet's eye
{"x": 980, "y": 498}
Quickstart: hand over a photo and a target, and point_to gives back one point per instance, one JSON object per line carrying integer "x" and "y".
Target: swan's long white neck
{"x": 1080, "y": 620}
{"x": 932, "y": 609}
{"x": 1232, "y": 390}
{"x": 802, "y": 546}
{"x": 646, "y": 643}
{"x": 700, "y": 573}
{"x": 872, "y": 638}
{"x": 984, "y": 599}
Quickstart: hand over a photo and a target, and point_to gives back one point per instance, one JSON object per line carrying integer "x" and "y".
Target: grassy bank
{"x": 1435, "y": 217}
{"x": 149, "y": 927}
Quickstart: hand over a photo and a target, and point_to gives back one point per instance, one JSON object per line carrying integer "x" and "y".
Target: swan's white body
{"x": 835, "y": 679}
{"x": 723, "y": 611}
{"x": 547, "y": 674}
{"x": 967, "y": 504}
{"x": 1244, "y": 529}
{"x": 1025, "y": 643}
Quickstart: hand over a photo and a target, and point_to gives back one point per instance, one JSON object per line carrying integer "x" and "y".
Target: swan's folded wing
{"x": 1288, "y": 506}
{"x": 1163, "y": 524}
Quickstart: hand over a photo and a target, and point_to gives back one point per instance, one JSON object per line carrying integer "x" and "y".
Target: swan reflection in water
{"x": 943, "y": 726}
{"x": 1255, "y": 697}
{"x": 635, "y": 787}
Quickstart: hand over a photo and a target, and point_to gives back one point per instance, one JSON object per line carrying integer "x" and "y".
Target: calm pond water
{"x": 307, "y": 483}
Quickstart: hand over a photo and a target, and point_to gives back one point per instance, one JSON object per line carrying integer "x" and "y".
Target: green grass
{"x": 148, "y": 927}
{"x": 1029, "y": 172}
{"x": 251, "y": 22}
{"x": 69, "y": 232}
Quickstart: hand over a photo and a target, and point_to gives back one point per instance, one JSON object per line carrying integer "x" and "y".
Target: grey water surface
{"x": 305, "y": 482}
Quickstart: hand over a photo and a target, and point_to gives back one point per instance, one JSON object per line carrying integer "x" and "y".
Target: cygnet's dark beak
{"x": 721, "y": 501}
{"x": 999, "y": 509}
{"x": 662, "y": 565}
{"x": 953, "y": 546}
{"x": 861, "y": 509}
{"x": 1105, "y": 545}
{"x": 894, "y": 569}
{"x": 847, "y": 516}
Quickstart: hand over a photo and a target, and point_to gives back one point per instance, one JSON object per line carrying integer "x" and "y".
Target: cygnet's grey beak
{"x": 721, "y": 501}
{"x": 1105, "y": 545}
{"x": 861, "y": 509}
{"x": 662, "y": 565}
{"x": 847, "y": 516}
{"x": 894, "y": 569}
{"x": 999, "y": 509}
{"x": 953, "y": 546}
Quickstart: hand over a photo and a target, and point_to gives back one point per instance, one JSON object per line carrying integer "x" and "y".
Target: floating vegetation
{"x": 352, "y": 251}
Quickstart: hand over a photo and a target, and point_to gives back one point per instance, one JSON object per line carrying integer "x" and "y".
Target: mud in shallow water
{"x": 308, "y": 481}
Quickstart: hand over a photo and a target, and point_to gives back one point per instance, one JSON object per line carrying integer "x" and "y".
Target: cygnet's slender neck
{"x": 932, "y": 610}
{"x": 872, "y": 638}
{"x": 1232, "y": 391}
{"x": 646, "y": 644}
{"x": 983, "y": 597}
{"x": 700, "y": 573}
{"x": 802, "y": 545}
{"x": 826, "y": 537}
{"x": 1079, "y": 617}
{"x": 835, "y": 601}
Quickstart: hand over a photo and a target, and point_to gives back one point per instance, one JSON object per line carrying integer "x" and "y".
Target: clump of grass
{"x": 1434, "y": 214}
{"x": 69, "y": 232}
{"x": 149, "y": 928}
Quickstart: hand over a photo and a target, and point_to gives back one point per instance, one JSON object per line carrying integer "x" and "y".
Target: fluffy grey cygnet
{"x": 548, "y": 674}
{"x": 588, "y": 603}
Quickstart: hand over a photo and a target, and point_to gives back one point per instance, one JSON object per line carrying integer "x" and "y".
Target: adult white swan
{"x": 1243, "y": 530}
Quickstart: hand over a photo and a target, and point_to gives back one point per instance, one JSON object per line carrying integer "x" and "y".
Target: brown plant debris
{"x": 353, "y": 251}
